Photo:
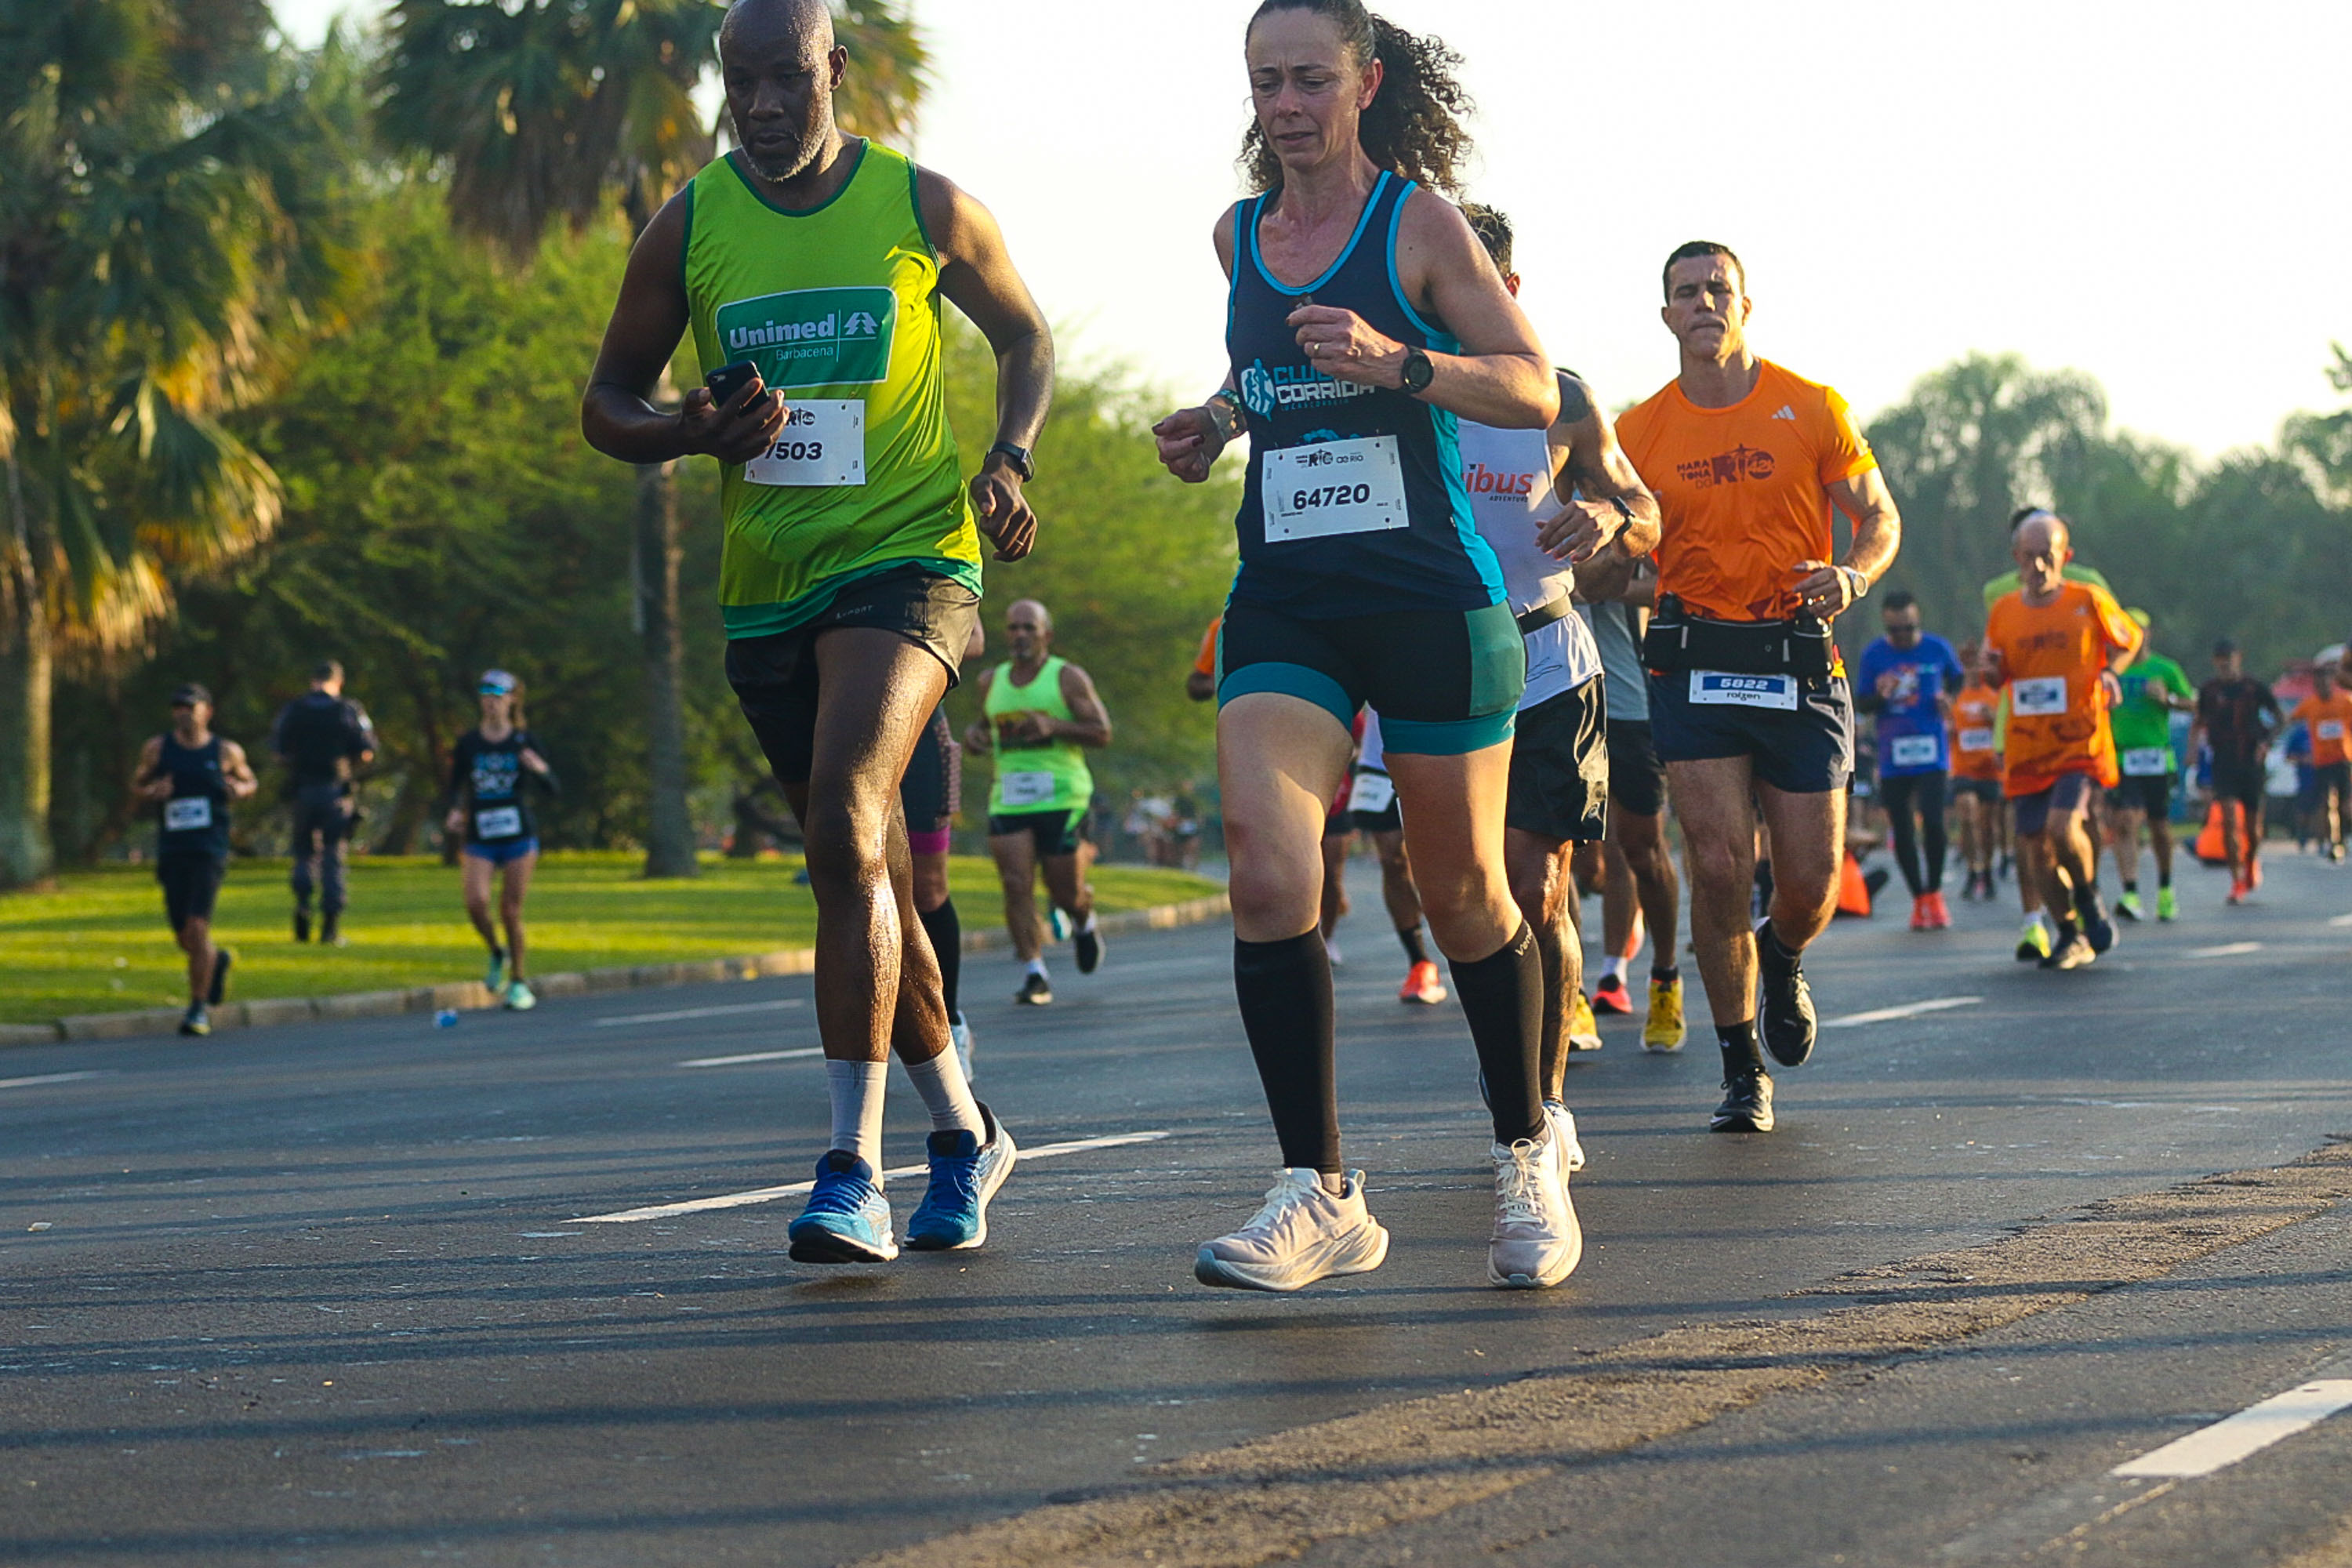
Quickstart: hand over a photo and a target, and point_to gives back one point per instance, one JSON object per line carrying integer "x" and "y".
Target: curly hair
{"x": 1412, "y": 127}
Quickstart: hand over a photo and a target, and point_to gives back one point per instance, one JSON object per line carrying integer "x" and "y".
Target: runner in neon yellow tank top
{"x": 851, "y": 573}
{"x": 1039, "y": 713}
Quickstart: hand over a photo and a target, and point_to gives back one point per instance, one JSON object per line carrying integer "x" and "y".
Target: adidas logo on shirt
{"x": 1786, "y": 412}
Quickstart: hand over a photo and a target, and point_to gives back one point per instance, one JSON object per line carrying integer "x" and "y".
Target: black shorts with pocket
{"x": 1055, "y": 833}
{"x": 2070, "y": 797}
{"x": 1637, "y": 780}
{"x": 1560, "y": 767}
{"x": 2147, "y": 793}
{"x": 1796, "y": 730}
{"x": 775, "y": 676}
{"x": 933, "y": 788}
{"x": 191, "y": 886}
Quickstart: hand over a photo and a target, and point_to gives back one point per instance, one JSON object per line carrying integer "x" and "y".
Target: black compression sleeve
{"x": 1284, "y": 992}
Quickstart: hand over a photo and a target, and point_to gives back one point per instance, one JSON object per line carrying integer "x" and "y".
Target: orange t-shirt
{"x": 1975, "y": 751}
{"x": 2331, "y": 726}
{"x": 2051, "y": 658}
{"x": 1205, "y": 663}
{"x": 1743, "y": 488}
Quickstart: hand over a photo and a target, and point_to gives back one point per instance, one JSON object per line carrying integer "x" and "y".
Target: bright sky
{"x": 2131, "y": 191}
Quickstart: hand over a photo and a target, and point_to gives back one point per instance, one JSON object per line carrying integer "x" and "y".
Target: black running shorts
{"x": 1985, "y": 790}
{"x": 1444, "y": 682}
{"x": 1053, "y": 833}
{"x": 2242, "y": 780}
{"x": 2147, "y": 793}
{"x": 1796, "y": 730}
{"x": 1559, "y": 768}
{"x": 191, "y": 885}
{"x": 1637, "y": 780}
{"x": 2070, "y": 797}
{"x": 775, "y": 679}
{"x": 934, "y": 786}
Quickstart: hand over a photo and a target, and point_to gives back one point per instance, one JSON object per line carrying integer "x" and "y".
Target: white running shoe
{"x": 1536, "y": 1241}
{"x": 1563, "y": 1127}
{"x": 1302, "y": 1235}
{"x": 1331, "y": 950}
{"x": 960, "y": 1035}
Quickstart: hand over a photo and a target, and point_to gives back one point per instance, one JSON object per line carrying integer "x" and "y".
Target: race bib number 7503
{"x": 822, "y": 443}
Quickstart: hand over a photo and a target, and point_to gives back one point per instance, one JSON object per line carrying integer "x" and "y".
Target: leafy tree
{"x": 545, "y": 110}
{"x": 171, "y": 230}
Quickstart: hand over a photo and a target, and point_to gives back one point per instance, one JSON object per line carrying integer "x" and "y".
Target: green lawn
{"x": 98, "y": 943}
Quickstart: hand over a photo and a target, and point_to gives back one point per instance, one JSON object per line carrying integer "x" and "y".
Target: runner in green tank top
{"x": 811, "y": 265}
{"x": 1039, "y": 713}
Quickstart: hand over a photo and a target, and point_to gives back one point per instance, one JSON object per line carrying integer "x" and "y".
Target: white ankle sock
{"x": 947, "y": 1096}
{"x": 856, "y": 1089}
{"x": 1613, "y": 970}
{"x": 1037, "y": 966}
{"x": 1090, "y": 921}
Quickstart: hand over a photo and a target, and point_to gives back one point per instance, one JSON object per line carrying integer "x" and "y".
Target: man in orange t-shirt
{"x": 2329, "y": 711}
{"x": 2060, "y": 648}
{"x": 1747, "y": 461}
{"x": 1975, "y": 773}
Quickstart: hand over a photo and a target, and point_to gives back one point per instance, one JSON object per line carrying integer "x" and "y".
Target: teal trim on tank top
{"x": 857, "y": 161}
{"x": 767, "y": 620}
{"x": 1396, "y": 284}
{"x": 1364, "y": 218}
{"x": 1285, "y": 680}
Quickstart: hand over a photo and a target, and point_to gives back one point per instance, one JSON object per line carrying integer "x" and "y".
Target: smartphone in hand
{"x": 730, "y": 379}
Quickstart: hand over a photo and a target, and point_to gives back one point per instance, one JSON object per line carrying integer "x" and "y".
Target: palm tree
{"x": 171, "y": 225}
{"x": 547, "y": 110}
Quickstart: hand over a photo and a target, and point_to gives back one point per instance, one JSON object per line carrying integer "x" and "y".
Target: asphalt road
{"x": 324, "y": 1294}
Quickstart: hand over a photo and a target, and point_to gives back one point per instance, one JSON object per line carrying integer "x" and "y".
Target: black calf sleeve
{"x": 945, "y": 928}
{"x": 1413, "y": 951}
{"x": 1284, "y": 992}
{"x": 1502, "y": 997}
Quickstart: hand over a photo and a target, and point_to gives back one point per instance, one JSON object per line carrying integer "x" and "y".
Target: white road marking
{"x": 2227, "y": 950}
{"x": 770, "y": 1195}
{"x": 2340, "y": 921}
{"x": 683, "y": 1013}
{"x": 1909, "y": 1010}
{"x": 49, "y": 1077}
{"x": 754, "y": 1057}
{"x": 2250, "y": 1431}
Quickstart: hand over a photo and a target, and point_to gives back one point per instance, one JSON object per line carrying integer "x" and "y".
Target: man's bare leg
{"x": 1542, "y": 888}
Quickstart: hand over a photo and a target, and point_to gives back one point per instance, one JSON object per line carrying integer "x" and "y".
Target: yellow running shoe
{"x": 1583, "y": 1028}
{"x": 1664, "y": 1030}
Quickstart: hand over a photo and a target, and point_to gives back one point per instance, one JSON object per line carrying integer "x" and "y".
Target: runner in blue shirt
{"x": 1908, "y": 678}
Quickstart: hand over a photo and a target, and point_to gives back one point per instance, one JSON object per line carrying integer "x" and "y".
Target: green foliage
{"x": 1133, "y": 563}
{"x": 2257, "y": 546}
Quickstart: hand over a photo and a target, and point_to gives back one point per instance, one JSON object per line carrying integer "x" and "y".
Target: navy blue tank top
{"x": 195, "y": 820}
{"x": 1354, "y": 504}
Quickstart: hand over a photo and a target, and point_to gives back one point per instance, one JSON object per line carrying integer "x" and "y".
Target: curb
{"x": 472, "y": 995}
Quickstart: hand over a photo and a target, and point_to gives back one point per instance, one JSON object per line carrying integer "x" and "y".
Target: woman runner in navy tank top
{"x": 1365, "y": 318}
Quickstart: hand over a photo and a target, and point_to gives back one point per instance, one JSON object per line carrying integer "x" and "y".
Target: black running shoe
{"x": 330, "y": 932}
{"x": 1036, "y": 991}
{"x": 222, "y": 959}
{"x": 2098, "y": 929}
{"x": 196, "y": 1022}
{"x": 301, "y": 925}
{"x": 1786, "y": 1020}
{"x": 1747, "y": 1104}
{"x": 1088, "y": 946}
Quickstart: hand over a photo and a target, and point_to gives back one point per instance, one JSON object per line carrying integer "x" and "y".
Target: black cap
{"x": 190, "y": 694}
{"x": 2224, "y": 646}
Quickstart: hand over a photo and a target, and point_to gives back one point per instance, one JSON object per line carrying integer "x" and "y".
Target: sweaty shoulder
{"x": 1827, "y": 420}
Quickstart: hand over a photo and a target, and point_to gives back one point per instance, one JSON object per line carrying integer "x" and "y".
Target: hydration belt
{"x": 1678, "y": 639}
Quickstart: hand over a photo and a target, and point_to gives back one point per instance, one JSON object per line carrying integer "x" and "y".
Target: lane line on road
{"x": 1909, "y": 1010}
{"x": 793, "y": 1054}
{"x": 2227, "y": 950}
{"x": 49, "y": 1077}
{"x": 770, "y": 1195}
{"x": 2249, "y": 1431}
{"x": 2340, "y": 921}
{"x": 680, "y": 1014}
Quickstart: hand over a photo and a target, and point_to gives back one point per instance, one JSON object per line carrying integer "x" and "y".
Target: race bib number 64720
{"x": 1333, "y": 487}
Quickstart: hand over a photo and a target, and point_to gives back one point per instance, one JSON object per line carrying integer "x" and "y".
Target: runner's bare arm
{"x": 976, "y": 274}
{"x": 1089, "y": 722}
{"x": 976, "y": 736}
{"x": 1596, "y": 474}
{"x": 237, "y": 772}
{"x": 144, "y": 784}
{"x": 1500, "y": 378}
{"x": 1191, "y": 438}
{"x": 617, "y": 414}
{"x": 1877, "y": 535}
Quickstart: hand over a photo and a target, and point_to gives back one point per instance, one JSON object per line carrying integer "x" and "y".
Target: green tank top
{"x": 1051, "y": 777}
{"x": 838, "y": 306}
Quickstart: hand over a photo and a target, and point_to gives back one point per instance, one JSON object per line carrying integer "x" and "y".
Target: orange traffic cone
{"x": 2210, "y": 847}
{"x": 1853, "y": 893}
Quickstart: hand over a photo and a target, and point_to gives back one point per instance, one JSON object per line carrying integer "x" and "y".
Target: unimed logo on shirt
{"x": 1742, "y": 462}
{"x": 812, "y": 337}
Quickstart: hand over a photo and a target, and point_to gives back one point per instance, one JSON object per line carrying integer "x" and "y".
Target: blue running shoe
{"x": 965, "y": 1173}
{"x": 848, "y": 1219}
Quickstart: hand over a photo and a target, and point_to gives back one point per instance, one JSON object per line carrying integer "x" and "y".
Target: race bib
{"x": 2331, "y": 729}
{"x": 499, "y": 822}
{"x": 187, "y": 813}
{"x": 1914, "y": 751}
{"x": 1373, "y": 791}
{"x": 1333, "y": 487}
{"x": 1976, "y": 740}
{"x": 1720, "y": 688}
{"x": 1026, "y": 789}
{"x": 2146, "y": 763}
{"x": 822, "y": 443}
{"x": 2044, "y": 696}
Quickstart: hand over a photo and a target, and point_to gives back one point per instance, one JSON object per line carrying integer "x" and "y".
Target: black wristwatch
{"x": 1017, "y": 455}
{"x": 1418, "y": 372}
